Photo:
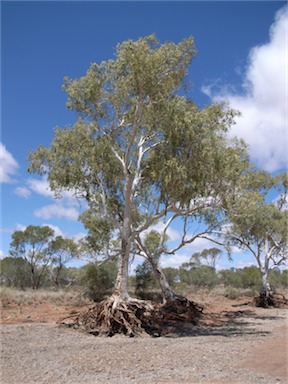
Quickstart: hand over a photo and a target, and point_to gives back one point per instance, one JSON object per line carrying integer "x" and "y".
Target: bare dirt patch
{"x": 36, "y": 313}
{"x": 233, "y": 343}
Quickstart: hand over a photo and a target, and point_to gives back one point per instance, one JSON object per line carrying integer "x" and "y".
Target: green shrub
{"x": 199, "y": 277}
{"x": 15, "y": 272}
{"x": 98, "y": 280}
{"x": 144, "y": 278}
{"x": 232, "y": 293}
{"x": 248, "y": 277}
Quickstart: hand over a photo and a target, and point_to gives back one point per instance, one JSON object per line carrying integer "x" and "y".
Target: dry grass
{"x": 29, "y": 297}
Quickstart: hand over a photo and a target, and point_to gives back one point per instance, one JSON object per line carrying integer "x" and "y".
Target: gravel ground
{"x": 45, "y": 353}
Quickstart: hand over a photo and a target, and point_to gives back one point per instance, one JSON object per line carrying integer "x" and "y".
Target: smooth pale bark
{"x": 121, "y": 285}
{"x": 167, "y": 291}
{"x": 265, "y": 287}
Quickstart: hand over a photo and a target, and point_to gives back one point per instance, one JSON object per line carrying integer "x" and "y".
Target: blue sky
{"x": 241, "y": 58}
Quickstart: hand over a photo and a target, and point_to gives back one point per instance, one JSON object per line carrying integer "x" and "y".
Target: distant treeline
{"x": 98, "y": 279}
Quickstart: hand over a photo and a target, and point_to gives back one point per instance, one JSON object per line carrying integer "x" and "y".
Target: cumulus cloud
{"x": 66, "y": 207}
{"x": 199, "y": 245}
{"x": 2, "y": 255}
{"x": 6, "y": 230}
{"x": 8, "y": 166}
{"x": 22, "y": 192}
{"x": 263, "y": 98}
{"x": 57, "y": 210}
{"x": 20, "y": 227}
{"x": 57, "y": 230}
{"x": 41, "y": 187}
{"x": 174, "y": 261}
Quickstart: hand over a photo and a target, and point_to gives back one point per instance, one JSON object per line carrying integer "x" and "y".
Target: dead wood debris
{"x": 133, "y": 317}
{"x": 271, "y": 301}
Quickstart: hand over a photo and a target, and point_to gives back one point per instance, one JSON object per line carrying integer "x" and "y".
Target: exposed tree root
{"x": 274, "y": 301}
{"x": 133, "y": 317}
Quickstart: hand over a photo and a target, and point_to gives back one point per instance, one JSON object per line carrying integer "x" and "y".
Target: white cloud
{"x": 8, "y": 166}
{"x": 40, "y": 186}
{"x": 244, "y": 263}
{"x": 6, "y": 230}
{"x": 57, "y": 210}
{"x": 57, "y": 230}
{"x": 199, "y": 245}
{"x": 66, "y": 207}
{"x": 174, "y": 261}
{"x": 2, "y": 255}
{"x": 264, "y": 102}
{"x": 20, "y": 227}
{"x": 22, "y": 192}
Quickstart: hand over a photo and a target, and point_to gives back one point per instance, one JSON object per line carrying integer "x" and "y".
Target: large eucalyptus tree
{"x": 140, "y": 151}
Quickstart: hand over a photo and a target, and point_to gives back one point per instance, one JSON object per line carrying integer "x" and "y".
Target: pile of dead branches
{"x": 271, "y": 301}
{"x": 133, "y": 317}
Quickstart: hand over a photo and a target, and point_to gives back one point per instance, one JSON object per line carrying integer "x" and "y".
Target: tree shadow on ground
{"x": 226, "y": 324}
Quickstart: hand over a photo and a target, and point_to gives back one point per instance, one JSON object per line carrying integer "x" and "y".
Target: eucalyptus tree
{"x": 152, "y": 248}
{"x": 15, "y": 272}
{"x": 41, "y": 250}
{"x": 33, "y": 245}
{"x": 208, "y": 256}
{"x": 260, "y": 227}
{"x": 140, "y": 151}
{"x": 63, "y": 250}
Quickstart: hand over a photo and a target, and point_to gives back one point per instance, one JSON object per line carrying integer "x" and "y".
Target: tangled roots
{"x": 113, "y": 316}
{"x": 133, "y": 317}
{"x": 271, "y": 301}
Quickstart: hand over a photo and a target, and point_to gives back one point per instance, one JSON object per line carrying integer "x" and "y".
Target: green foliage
{"x": 278, "y": 279}
{"x": 284, "y": 278}
{"x": 38, "y": 248}
{"x": 208, "y": 256}
{"x": 232, "y": 293}
{"x": 250, "y": 277}
{"x": 230, "y": 277}
{"x": 15, "y": 272}
{"x": 152, "y": 243}
{"x": 33, "y": 245}
{"x": 172, "y": 275}
{"x": 258, "y": 226}
{"x": 98, "y": 280}
{"x": 144, "y": 277}
{"x": 62, "y": 250}
{"x": 140, "y": 149}
{"x": 199, "y": 277}
{"x": 241, "y": 278}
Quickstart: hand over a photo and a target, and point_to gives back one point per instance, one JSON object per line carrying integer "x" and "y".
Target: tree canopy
{"x": 141, "y": 150}
{"x": 39, "y": 249}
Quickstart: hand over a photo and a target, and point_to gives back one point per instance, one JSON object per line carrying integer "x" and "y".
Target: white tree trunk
{"x": 265, "y": 286}
{"x": 167, "y": 291}
{"x": 121, "y": 285}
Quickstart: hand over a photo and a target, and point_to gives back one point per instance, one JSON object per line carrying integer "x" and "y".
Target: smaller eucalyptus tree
{"x": 38, "y": 247}
{"x": 209, "y": 257}
{"x": 259, "y": 227}
{"x": 33, "y": 245}
{"x": 62, "y": 250}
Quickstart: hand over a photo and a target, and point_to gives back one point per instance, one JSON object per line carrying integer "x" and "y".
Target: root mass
{"x": 133, "y": 317}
